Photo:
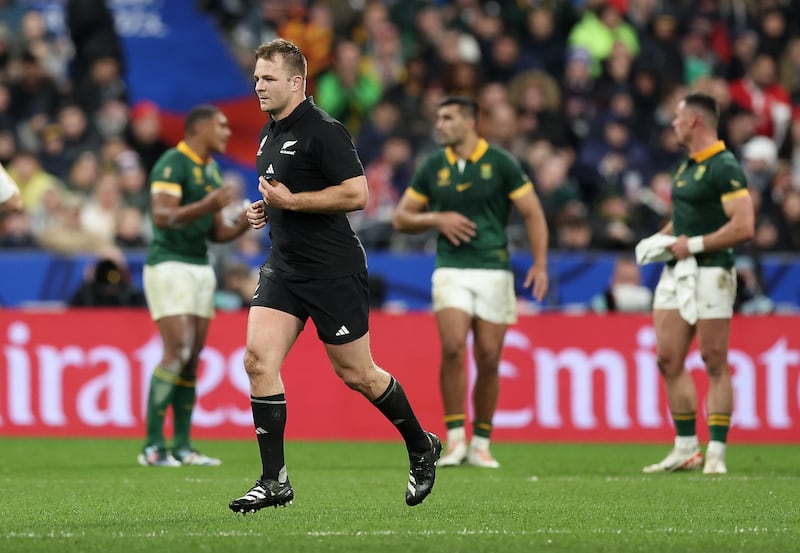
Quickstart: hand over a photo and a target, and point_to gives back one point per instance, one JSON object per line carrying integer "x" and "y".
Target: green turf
{"x": 89, "y": 495}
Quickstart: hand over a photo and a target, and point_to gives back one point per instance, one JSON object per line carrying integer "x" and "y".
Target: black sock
{"x": 269, "y": 418}
{"x": 394, "y": 405}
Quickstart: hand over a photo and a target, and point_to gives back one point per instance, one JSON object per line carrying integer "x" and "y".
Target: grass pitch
{"x": 89, "y": 495}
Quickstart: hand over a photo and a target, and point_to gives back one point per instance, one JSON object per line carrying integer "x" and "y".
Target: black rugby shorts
{"x": 339, "y": 307}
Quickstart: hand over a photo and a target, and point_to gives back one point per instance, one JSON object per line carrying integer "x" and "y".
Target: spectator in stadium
{"x": 143, "y": 133}
{"x": 712, "y": 213}
{"x": 179, "y": 282}
{"x": 661, "y": 47}
{"x": 316, "y": 268}
{"x": 383, "y": 122}
{"x": 542, "y": 41}
{"x": 750, "y": 297}
{"x": 625, "y": 292}
{"x": 64, "y": 232}
{"x": 15, "y": 230}
{"x": 32, "y": 180}
{"x": 77, "y": 132}
{"x": 760, "y": 92}
{"x": 788, "y": 226}
{"x": 94, "y": 37}
{"x": 108, "y": 284}
{"x": 601, "y": 25}
{"x": 100, "y": 213}
{"x": 387, "y": 176}
{"x": 83, "y": 174}
{"x": 466, "y": 191}
{"x": 129, "y": 232}
{"x": 133, "y": 180}
{"x": 33, "y": 92}
{"x": 348, "y": 91}
{"x": 53, "y": 155}
{"x": 237, "y": 286}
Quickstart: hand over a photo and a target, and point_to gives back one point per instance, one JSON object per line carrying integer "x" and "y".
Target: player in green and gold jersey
{"x": 712, "y": 212}
{"x": 187, "y": 199}
{"x": 466, "y": 192}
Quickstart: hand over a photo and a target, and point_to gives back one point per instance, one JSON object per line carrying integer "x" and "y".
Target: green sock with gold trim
{"x": 162, "y": 388}
{"x": 685, "y": 423}
{"x": 453, "y": 422}
{"x": 718, "y": 424}
{"x": 183, "y": 399}
{"x": 482, "y": 428}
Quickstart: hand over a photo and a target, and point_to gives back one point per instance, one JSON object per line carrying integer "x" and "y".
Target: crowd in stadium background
{"x": 581, "y": 92}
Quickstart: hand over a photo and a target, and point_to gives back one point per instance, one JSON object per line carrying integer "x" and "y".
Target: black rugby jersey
{"x": 307, "y": 151}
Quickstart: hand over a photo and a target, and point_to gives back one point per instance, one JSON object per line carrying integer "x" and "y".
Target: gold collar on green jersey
{"x": 477, "y": 153}
{"x": 706, "y": 153}
{"x": 186, "y": 150}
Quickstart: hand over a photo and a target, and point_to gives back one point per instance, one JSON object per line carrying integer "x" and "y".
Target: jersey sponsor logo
{"x": 463, "y": 186}
{"x": 443, "y": 177}
{"x": 261, "y": 145}
{"x": 288, "y": 144}
{"x": 486, "y": 170}
{"x": 699, "y": 172}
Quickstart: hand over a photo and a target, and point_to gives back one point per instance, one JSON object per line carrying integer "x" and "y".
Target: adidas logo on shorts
{"x": 342, "y": 331}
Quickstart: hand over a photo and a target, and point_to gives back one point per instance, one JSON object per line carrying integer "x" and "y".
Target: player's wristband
{"x": 695, "y": 244}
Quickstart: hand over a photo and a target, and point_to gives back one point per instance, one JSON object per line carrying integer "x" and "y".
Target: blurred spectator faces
{"x": 8, "y": 145}
{"x": 112, "y": 117}
{"x": 83, "y": 173}
{"x": 130, "y": 228}
{"x": 759, "y": 155}
{"x": 145, "y": 122}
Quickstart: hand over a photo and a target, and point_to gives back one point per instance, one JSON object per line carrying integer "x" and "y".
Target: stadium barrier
{"x": 564, "y": 378}
{"x": 45, "y": 279}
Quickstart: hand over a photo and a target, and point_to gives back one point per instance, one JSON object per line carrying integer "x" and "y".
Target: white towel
{"x": 654, "y": 248}
{"x": 7, "y": 186}
{"x": 685, "y": 272}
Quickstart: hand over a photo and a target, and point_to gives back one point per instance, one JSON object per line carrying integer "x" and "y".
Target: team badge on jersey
{"x": 699, "y": 172}
{"x": 167, "y": 172}
{"x": 443, "y": 177}
{"x": 198, "y": 175}
{"x": 486, "y": 171}
{"x": 736, "y": 184}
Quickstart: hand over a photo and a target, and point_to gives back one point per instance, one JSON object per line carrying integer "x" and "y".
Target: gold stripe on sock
{"x": 186, "y": 383}
{"x": 165, "y": 375}
{"x": 683, "y": 416}
{"x": 455, "y": 418}
{"x": 719, "y": 419}
{"x": 483, "y": 425}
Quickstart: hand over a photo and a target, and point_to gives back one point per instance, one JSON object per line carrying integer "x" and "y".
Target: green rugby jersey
{"x": 182, "y": 173}
{"x": 699, "y": 187}
{"x": 483, "y": 192}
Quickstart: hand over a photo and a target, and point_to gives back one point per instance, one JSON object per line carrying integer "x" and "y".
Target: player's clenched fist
{"x": 257, "y": 215}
